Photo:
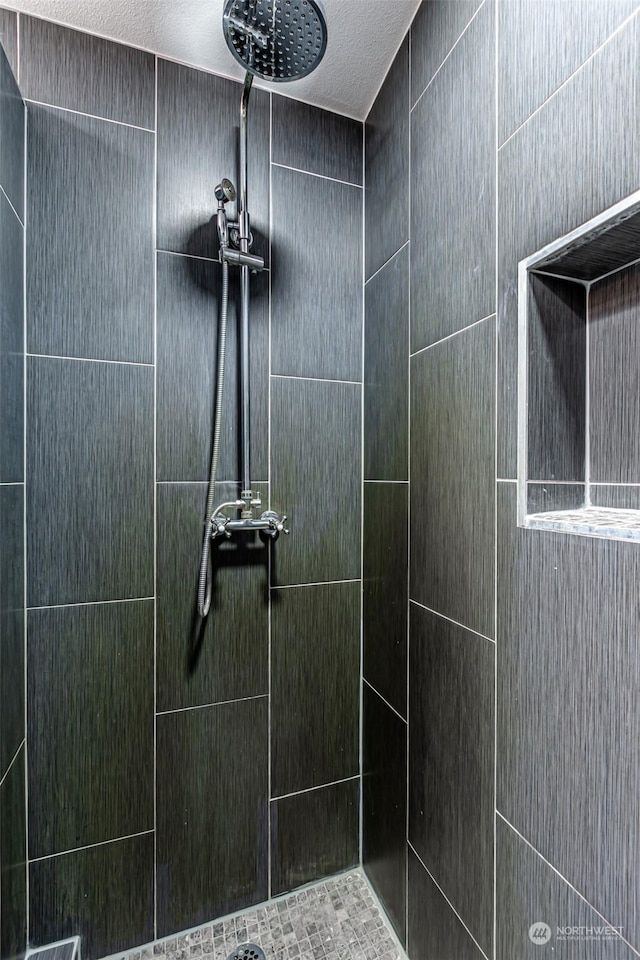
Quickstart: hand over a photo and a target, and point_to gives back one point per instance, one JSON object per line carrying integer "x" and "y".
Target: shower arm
{"x": 244, "y": 227}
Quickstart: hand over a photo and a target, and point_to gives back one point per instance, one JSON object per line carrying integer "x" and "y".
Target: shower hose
{"x": 205, "y": 578}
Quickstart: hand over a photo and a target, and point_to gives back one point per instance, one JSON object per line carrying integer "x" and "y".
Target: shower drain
{"x": 247, "y": 951}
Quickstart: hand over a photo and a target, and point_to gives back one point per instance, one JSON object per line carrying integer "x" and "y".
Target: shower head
{"x": 225, "y": 191}
{"x": 276, "y": 39}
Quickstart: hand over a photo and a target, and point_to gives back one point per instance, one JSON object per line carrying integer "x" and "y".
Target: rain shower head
{"x": 279, "y": 40}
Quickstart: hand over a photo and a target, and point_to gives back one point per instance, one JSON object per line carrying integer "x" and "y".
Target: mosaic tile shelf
{"x": 337, "y": 919}
{"x": 593, "y": 521}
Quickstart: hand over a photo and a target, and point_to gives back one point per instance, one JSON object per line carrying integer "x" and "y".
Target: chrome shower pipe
{"x": 244, "y": 235}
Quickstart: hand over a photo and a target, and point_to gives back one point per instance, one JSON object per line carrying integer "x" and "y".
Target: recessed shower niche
{"x": 579, "y": 379}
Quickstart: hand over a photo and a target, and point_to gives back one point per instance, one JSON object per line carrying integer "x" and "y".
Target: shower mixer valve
{"x": 269, "y": 524}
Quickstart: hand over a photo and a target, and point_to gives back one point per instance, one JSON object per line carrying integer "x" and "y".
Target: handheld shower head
{"x": 279, "y": 40}
{"x": 225, "y": 191}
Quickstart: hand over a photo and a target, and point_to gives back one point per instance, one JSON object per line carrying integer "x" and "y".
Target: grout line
{"x": 12, "y": 483}
{"x": 91, "y": 846}
{"x": 549, "y": 483}
{"x": 449, "y": 336}
{"x": 320, "y": 786}
{"x": 450, "y": 620}
{"x": 120, "y": 363}
{"x": 386, "y": 262}
{"x": 603, "y": 483}
{"x": 186, "y": 483}
{"x": 570, "y": 78}
{"x": 205, "y": 706}
{"x": 271, "y": 546}
{"x": 559, "y": 276}
{"x": 18, "y": 31}
{"x": 495, "y": 487}
{"x": 384, "y": 700}
{"x": 320, "y": 176}
{"x": 510, "y": 479}
{"x": 433, "y": 879}
{"x": 587, "y": 403}
{"x": 81, "y": 113}
{"x": 155, "y": 498}
{"x": 24, "y": 530}
{"x": 564, "y": 879}
{"x": 408, "y": 516}
{"x": 284, "y": 376}
{"x": 12, "y": 761}
{"x": 362, "y": 376}
{"x": 88, "y": 603}
{"x": 6, "y": 196}
{"x": 316, "y": 583}
{"x": 193, "y": 256}
{"x": 447, "y": 57}
{"x": 386, "y": 481}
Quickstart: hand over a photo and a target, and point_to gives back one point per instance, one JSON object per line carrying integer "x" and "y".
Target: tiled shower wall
{"x": 177, "y": 775}
{"x": 500, "y": 126}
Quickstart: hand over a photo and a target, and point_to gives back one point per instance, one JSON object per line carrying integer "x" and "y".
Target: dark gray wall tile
{"x": 70, "y": 69}
{"x": 623, "y": 497}
{"x": 384, "y": 810}
{"x": 90, "y": 238}
{"x": 315, "y": 654}
{"x": 189, "y": 293}
{"x": 11, "y": 345}
{"x": 13, "y": 879}
{"x": 316, "y": 278}
{"x": 12, "y": 113}
{"x": 434, "y": 930}
{"x": 437, "y": 26}
{"x": 11, "y": 623}
{"x": 542, "y": 44}
{"x": 568, "y": 675}
{"x": 324, "y": 143}
{"x": 554, "y": 496}
{"x": 192, "y": 160}
{"x": 212, "y": 812}
{"x": 527, "y": 891}
{"x": 103, "y": 894}
{"x": 557, "y": 379}
{"x": 387, "y": 166}
{"x": 65, "y": 951}
{"x": 313, "y": 834}
{"x": 452, "y": 477}
{"x": 229, "y": 658}
{"x": 386, "y": 394}
{"x": 9, "y": 37}
{"x": 90, "y": 741}
{"x": 90, "y": 481}
{"x": 614, "y": 313}
{"x": 451, "y": 764}
{"x": 545, "y": 169}
{"x": 315, "y": 472}
{"x": 385, "y": 590}
{"x": 453, "y": 190}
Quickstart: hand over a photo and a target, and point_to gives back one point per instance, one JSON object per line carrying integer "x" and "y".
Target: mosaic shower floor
{"x": 336, "y": 919}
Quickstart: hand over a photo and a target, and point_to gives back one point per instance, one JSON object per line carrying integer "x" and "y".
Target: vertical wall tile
{"x": 453, "y": 190}
{"x": 324, "y": 143}
{"x": 385, "y": 590}
{"x": 315, "y": 652}
{"x": 12, "y": 112}
{"x": 212, "y": 812}
{"x": 9, "y": 37}
{"x": 315, "y": 470}
{"x": 437, "y": 26}
{"x": 452, "y": 477}
{"x": 13, "y": 860}
{"x": 568, "y": 676}
{"x": 103, "y": 894}
{"x": 189, "y": 292}
{"x": 387, "y": 166}
{"x": 434, "y": 930}
{"x": 300, "y": 854}
{"x": 191, "y": 161}
{"x": 386, "y": 395}
{"x": 11, "y": 623}
{"x": 90, "y": 740}
{"x": 451, "y": 764}
{"x": 545, "y": 168}
{"x": 614, "y": 312}
{"x": 90, "y": 238}
{"x": 541, "y": 45}
{"x": 11, "y": 345}
{"x": 228, "y": 658}
{"x": 384, "y": 809}
{"x": 82, "y": 72}
{"x": 316, "y": 290}
{"x": 90, "y": 481}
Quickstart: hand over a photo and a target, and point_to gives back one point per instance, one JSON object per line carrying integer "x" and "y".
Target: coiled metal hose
{"x": 205, "y": 578}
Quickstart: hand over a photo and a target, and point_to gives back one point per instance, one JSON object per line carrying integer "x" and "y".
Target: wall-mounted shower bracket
{"x": 238, "y": 258}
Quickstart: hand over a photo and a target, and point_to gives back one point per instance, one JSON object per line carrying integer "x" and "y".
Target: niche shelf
{"x": 579, "y": 379}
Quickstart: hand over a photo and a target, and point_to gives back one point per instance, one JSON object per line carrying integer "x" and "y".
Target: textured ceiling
{"x": 364, "y": 36}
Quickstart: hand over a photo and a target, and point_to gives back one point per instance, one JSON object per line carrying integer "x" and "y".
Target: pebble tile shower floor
{"x": 337, "y": 919}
